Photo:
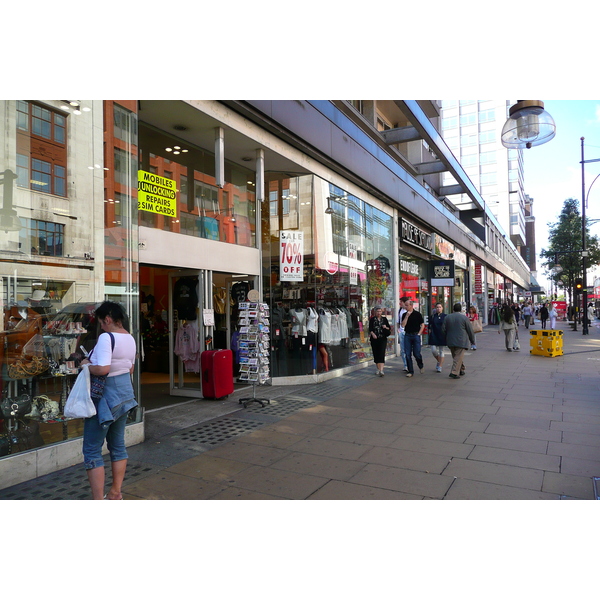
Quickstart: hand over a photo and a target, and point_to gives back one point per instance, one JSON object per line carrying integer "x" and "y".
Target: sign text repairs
{"x": 291, "y": 255}
{"x": 157, "y": 194}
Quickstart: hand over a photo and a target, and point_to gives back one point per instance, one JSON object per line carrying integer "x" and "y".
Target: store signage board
{"x": 157, "y": 194}
{"x": 411, "y": 234}
{"x": 442, "y": 272}
{"x": 291, "y": 255}
{"x": 478, "y": 279}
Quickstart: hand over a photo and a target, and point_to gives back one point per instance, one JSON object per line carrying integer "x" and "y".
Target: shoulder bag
{"x": 97, "y": 382}
{"x": 477, "y": 326}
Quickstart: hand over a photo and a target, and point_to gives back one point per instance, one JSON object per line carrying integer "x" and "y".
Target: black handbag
{"x": 14, "y": 408}
{"x": 97, "y": 382}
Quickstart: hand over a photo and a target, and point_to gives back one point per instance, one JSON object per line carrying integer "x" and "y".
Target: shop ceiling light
{"x": 528, "y": 125}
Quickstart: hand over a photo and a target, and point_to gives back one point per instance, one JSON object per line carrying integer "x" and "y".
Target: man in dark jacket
{"x": 459, "y": 337}
{"x": 413, "y": 324}
{"x": 437, "y": 340}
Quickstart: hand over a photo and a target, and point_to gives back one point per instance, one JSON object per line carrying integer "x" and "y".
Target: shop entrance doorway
{"x": 184, "y": 312}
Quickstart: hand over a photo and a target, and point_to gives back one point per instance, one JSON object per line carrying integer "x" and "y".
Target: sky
{"x": 553, "y": 170}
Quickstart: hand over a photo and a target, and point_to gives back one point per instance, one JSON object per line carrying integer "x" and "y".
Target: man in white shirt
{"x": 401, "y": 312}
{"x": 527, "y": 314}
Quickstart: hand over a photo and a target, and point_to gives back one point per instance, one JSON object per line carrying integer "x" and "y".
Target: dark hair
{"x": 507, "y": 314}
{"x": 457, "y": 307}
{"x": 404, "y": 298}
{"x": 113, "y": 310}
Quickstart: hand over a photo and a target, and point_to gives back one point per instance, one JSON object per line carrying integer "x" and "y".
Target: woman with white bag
{"x": 117, "y": 400}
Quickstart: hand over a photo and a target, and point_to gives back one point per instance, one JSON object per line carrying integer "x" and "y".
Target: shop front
{"x": 330, "y": 259}
{"x": 68, "y": 223}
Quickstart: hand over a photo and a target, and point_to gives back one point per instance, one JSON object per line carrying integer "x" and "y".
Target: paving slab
{"x": 321, "y": 466}
{"x": 253, "y": 454}
{"x": 465, "y": 489}
{"x": 275, "y": 482}
{"x": 342, "y": 490}
{"x": 447, "y": 449}
{"x": 508, "y": 442}
{"x": 434, "y": 433}
{"x": 403, "y": 480}
{"x": 369, "y": 438}
{"x": 406, "y": 459}
{"x": 580, "y": 466}
{"x": 171, "y": 486}
{"x": 504, "y": 456}
{"x": 511, "y": 476}
{"x": 574, "y": 486}
{"x": 525, "y": 432}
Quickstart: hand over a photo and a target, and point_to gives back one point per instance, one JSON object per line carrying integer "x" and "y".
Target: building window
{"x": 41, "y": 149}
{"x": 273, "y": 203}
{"x": 487, "y": 137}
{"x": 487, "y": 115}
{"x": 469, "y": 119}
{"x": 42, "y": 237}
{"x": 449, "y": 123}
{"x": 487, "y": 157}
{"x": 125, "y": 123}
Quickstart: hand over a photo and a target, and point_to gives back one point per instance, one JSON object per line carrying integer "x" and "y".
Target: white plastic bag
{"x": 79, "y": 403}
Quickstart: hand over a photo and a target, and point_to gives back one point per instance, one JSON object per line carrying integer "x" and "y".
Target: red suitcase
{"x": 217, "y": 373}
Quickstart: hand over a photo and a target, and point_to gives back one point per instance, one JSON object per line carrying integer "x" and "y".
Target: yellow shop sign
{"x": 157, "y": 194}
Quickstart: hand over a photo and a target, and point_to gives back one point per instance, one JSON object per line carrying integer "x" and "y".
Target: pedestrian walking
{"x": 401, "y": 312}
{"x": 413, "y": 324}
{"x": 459, "y": 334}
{"x": 527, "y": 312}
{"x": 473, "y": 316}
{"x": 509, "y": 326}
{"x": 591, "y": 315}
{"x": 543, "y": 315}
{"x": 379, "y": 330}
{"x": 517, "y": 310}
{"x": 552, "y": 314}
{"x": 113, "y": 356}
{"x": 437, "y": 339}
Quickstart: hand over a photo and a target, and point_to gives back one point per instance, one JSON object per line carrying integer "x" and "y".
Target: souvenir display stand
{"x": 254, "y": 347}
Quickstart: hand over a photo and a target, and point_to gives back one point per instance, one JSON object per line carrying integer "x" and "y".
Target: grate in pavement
{"x": 217, "y": 432}
{"x": 282, "y": 407}
{"x": 68, "y": 484}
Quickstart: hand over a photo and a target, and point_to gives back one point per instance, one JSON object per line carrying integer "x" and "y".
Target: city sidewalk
{"x": 516, "y": 426}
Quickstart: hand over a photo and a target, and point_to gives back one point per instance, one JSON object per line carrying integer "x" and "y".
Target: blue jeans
{"x": 401, "y": 341}
{"x": 93, "y": 440}
{"x": 412, "y": 345}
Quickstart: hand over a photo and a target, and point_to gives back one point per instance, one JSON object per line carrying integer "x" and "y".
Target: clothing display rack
{"x": 254, "y": 347}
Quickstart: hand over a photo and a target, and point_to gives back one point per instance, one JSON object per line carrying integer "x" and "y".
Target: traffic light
{"x": 578, "y": 285}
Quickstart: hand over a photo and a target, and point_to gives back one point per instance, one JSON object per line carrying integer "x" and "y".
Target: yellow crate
{"x": 547, "y": 343}
{"x": 546, "y": 332}
{"x": 545, "y": 352}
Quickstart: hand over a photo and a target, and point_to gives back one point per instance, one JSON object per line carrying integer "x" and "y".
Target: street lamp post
{"x": 584, "y": 252}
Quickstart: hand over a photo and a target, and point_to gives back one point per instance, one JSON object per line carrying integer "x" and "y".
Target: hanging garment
{"x": 336, "y": 337}
{"x": 324, "y": 326}
{"x": 312, "y": 320}
{"x": 298, "y": 317}
{"x": 187, "y": 347}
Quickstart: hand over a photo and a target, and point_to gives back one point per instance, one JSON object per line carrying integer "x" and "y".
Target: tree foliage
{"x": 564, "y": 248}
